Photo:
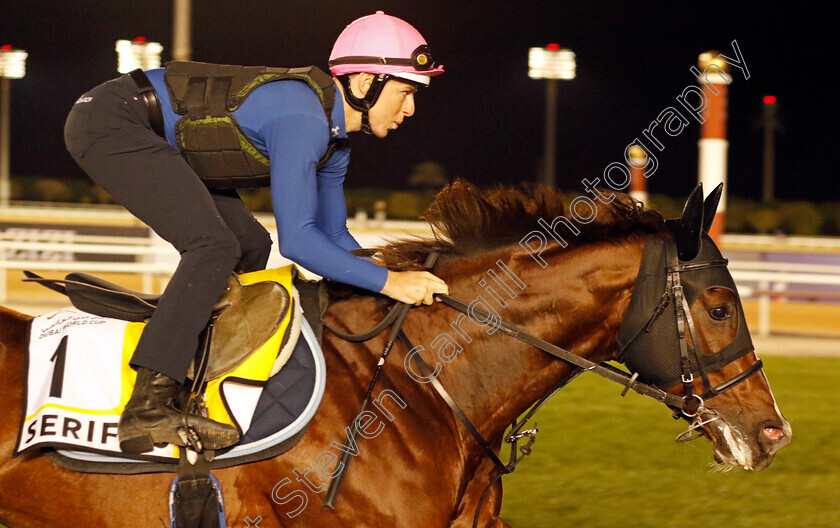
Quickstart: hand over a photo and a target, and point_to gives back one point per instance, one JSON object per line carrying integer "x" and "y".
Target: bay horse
{"x": 421, "y": 468}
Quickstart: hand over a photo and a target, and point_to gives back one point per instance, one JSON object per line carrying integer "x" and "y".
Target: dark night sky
{"x": 483, "y": 120}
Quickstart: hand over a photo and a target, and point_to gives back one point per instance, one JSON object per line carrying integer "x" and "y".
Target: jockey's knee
{"x": 256, "y": 248}
{"x": 219, "y": 251}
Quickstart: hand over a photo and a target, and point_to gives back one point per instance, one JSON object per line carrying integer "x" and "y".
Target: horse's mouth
{"x": 733, "y": 462}
{"x": 731, "y": 448}
{"x": 734, "y": 449}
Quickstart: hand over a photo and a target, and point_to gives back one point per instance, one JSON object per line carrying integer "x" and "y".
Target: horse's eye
{"x": 719, "y": 312}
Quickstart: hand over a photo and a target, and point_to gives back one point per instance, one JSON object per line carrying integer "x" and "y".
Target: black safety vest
{"x": 208, "y": 135}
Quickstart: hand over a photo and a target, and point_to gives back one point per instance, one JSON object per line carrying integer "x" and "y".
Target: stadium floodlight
{"x": 551, "y": 63}
{"x": 12, "y": 62}
{"x": 12, "y": 66}
{"x": 137, "y": 53}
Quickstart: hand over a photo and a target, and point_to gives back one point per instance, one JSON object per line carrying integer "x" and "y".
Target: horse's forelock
{"x": 467, "y": 220}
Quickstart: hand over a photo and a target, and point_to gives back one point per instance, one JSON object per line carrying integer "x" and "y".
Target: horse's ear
{"x": 690, "y": 225}
{"x": 710, "y": 206}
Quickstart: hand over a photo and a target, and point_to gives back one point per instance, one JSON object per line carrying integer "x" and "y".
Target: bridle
{"x": 691, "y": 406}
{"x": 689, "y": 355}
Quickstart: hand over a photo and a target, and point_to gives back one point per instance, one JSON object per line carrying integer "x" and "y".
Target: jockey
{"x": 160, "y": 143}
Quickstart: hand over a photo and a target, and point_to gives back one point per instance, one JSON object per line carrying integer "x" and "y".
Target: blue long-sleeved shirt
{"x": 286, "y": 122}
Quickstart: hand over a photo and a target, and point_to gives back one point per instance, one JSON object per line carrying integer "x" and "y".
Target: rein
{"x": 370, "y": 334}
{"x": 691, "y": 406}
{"x": 395, "y": 318}
{"x": 602, "y": 369}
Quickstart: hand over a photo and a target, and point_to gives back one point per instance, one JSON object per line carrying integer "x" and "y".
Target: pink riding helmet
{"x": 382, "y": 44}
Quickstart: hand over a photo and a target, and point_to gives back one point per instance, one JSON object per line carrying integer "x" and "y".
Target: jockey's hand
{"x": 413, "y": 287}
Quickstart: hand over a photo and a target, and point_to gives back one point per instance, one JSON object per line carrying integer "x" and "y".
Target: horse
{"x": 415, "y": 464}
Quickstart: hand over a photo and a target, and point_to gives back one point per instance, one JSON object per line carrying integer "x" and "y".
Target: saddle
{"x": 250, "y": 317}
{"x": 244, "y": 318}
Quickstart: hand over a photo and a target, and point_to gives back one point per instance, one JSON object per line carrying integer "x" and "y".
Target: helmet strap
{"x": 365, "y": 103}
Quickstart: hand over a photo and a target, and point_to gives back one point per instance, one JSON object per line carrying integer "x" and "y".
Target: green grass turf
{"x": 603, "y": 461}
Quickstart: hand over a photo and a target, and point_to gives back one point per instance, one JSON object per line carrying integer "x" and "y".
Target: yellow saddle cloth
{"x": 78, "y": 378}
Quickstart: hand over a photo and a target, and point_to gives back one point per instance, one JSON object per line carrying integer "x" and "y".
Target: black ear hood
{"x": 648, "y": 340}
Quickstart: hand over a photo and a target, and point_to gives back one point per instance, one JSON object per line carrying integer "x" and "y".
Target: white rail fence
{"x": 64, "y": 250}
{"x": 151, "y": 257}
{"x": 68, "y": 251}
{"x": 766, "y": 281}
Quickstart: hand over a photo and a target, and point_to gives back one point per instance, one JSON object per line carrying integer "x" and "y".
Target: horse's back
{"x": 13, "y": 326}
{"x": 10, "y": 320}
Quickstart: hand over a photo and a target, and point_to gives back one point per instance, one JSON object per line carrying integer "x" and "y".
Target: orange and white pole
{"x": 638, "y": 182}
{"x": 713, "y": 145}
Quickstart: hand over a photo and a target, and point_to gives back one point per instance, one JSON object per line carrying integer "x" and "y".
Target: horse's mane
{"x": 467, "y": 220}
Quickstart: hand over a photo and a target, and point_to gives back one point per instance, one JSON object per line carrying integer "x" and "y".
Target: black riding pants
{"x": 109, "y": 135}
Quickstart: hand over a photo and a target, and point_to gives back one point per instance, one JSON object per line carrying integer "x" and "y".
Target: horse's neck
{"x": 577, "y": 301}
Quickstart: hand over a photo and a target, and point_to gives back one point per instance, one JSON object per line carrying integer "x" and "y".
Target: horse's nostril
{"x": 773, "y": 433}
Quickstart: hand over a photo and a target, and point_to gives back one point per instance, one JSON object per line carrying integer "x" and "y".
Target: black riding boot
{"x": 150, "y": 417}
